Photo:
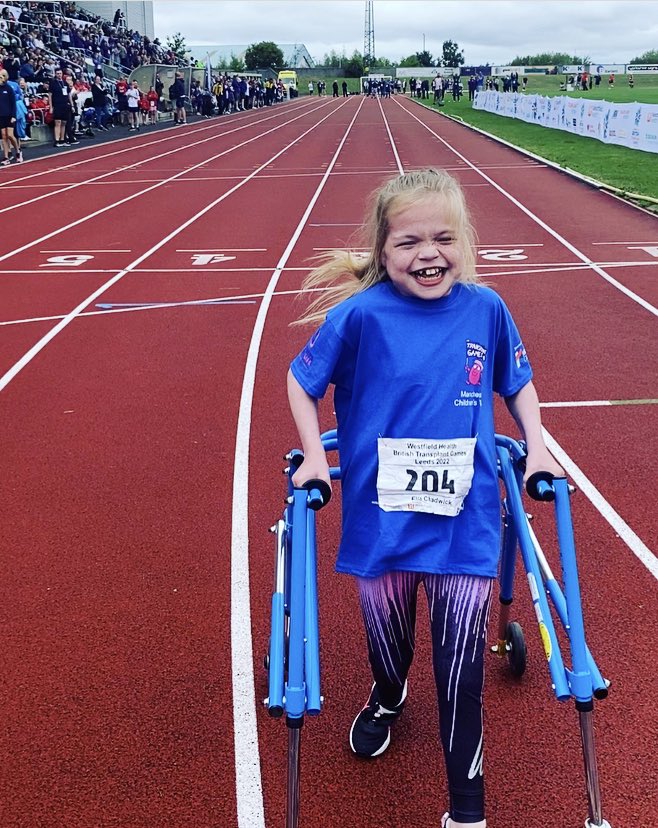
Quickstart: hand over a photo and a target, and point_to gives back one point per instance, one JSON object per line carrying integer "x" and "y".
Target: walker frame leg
{"x": 292, "y": 795}
{"x": 586, "y": 719}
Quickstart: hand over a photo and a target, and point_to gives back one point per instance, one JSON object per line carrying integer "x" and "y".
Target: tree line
{"x": 267, "y": 53}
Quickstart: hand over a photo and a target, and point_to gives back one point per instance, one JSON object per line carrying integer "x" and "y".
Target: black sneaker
{"x": 370, "y": 734}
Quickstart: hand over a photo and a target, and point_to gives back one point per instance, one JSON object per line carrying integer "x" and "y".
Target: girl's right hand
{"x": 313, "y": 468}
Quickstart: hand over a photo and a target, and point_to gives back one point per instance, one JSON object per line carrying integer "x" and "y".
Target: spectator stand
{"x": 38, "y": 37}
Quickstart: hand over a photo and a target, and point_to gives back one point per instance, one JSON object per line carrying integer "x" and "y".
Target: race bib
{"x": 431, "y": 476}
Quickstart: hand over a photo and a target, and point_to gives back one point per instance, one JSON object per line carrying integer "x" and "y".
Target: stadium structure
{"x": 137, "y": 13}
{"x": 295, "y": 55}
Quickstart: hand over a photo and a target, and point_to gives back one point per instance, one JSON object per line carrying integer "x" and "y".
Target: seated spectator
{"x": 40, "y": 108}
{"x": 12, "y": 64}
{"x": 26, "y": 70}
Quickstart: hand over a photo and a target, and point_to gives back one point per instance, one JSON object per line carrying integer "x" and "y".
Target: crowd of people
{"x": 59, "y": 60}
{"x": 56, "y": 57}
{"x": 46, "y": 35}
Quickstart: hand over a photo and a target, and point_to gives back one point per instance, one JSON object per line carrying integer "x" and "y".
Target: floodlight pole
{"x": 369, "y": 35}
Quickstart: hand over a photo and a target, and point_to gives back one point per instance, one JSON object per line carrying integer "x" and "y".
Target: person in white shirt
{"x": 133, "y": 95}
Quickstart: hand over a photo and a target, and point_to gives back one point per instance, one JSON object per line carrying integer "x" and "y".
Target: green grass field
{"x": 631, "y": 171}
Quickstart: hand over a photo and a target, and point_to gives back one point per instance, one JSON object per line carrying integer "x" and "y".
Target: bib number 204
{"x": 430, "y": 481}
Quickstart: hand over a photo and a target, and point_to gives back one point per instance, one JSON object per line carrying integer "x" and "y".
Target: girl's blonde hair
{"x": 342, "y": 273}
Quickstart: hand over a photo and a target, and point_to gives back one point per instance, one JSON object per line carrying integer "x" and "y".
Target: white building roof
{"x": 295, "y": 55}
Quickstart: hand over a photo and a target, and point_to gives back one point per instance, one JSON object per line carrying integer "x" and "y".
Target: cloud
{"x": 486, "y": 31}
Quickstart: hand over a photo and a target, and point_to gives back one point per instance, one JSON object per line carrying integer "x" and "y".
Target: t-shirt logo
{"x": 476, "y": 356}
{"x": 520, "y": 356}
{"x": 307, "y": 356}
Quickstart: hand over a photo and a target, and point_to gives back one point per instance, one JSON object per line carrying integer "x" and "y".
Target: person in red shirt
{"x": 152, "y": 98}
{"x": 144, "y": 108}
{"x": 122, "y": 101}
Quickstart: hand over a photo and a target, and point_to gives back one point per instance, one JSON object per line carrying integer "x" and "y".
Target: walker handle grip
{"x": 319, "y": 493}
{"x": 539, "y": 486}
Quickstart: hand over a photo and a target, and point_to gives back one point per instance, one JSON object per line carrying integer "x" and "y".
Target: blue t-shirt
{"x": 416, "y": 369}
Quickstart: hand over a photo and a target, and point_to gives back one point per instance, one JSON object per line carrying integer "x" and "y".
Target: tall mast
{"x": 369, "y": 36}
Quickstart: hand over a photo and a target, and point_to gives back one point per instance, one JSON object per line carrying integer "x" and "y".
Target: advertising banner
{"x": 632, "y": 125}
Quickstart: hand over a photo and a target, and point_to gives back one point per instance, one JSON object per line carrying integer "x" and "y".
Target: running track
{"x": 141, "y": 469}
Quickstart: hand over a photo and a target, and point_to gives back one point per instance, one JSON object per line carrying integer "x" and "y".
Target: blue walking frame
{"x": 293, "y": 660}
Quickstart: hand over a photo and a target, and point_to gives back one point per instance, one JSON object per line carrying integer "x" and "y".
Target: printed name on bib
{"x": 432, "y": 476}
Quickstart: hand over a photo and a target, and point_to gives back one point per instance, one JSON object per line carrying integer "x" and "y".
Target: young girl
{"x": 415, "y": 348}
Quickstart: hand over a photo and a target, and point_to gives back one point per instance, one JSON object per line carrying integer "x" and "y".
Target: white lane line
{"x": 247, "y": 759}
{"x": 602, "y": 273}
{"x": 643, "y": 244}
{"x": 634, "y": 543}
{"x": 150, "y": 189}
{"x": 398, "y": 161}
{"x": 81, "y": 250}
{"x": 130, "y": 146}
{"x": 118, "y": 170}
{"x": 66, "y": 320}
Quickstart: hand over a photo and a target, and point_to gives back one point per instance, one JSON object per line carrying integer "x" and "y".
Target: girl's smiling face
{"x": 421, "y": 254}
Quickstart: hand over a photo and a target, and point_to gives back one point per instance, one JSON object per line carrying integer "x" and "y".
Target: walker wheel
{"x": 516, "y": 649}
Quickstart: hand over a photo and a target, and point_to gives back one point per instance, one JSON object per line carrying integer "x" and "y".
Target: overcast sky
{"x": 487, "y": 31}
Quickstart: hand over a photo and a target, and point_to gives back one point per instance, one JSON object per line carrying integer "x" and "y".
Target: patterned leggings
{"x": 459, "y": 611}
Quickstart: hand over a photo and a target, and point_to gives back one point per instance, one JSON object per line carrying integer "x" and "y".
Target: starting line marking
{"x": 73, "y": 252}
{"x": 110, "y": 305}
{"x": 510, "y": 268}
{"x": 224, "y": 250}
{"x": 594, "y": 403}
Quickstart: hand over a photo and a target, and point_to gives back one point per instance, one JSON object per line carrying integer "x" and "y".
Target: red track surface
{"x": 118, "y": 455}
